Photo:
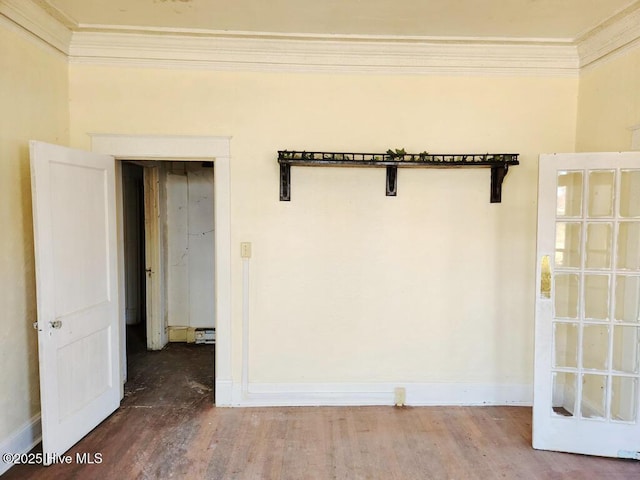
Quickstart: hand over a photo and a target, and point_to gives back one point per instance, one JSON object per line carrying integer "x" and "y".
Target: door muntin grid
{"x": 596, "y": 295}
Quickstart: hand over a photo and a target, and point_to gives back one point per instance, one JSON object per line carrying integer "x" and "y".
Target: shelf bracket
{"x": 285, "y": 182}
{"x": 498, "y": 172}
{"x": 392, "y": 181}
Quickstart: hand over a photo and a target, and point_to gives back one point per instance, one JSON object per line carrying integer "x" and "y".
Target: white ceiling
{"x": 527, "y": 19}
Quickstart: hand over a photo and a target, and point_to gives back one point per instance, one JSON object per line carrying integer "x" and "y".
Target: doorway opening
{"x": 168, "y": 236}
{"x": 216, "y": 149}
{"x": 134, "y": 251}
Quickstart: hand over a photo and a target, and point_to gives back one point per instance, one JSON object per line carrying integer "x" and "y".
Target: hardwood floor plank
{"x": 178, "y": 433}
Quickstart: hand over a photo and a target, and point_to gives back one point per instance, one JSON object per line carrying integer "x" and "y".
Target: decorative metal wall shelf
{"x": 498, "y": 163}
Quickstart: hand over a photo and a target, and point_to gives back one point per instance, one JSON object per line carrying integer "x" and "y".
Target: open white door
{"x": 77, "y": 293}
{"x": 587, "y": 333}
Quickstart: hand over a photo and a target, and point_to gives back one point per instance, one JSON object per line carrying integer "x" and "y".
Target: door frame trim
{"x": 157, "y": 336}
{"x": 187, "y": 148}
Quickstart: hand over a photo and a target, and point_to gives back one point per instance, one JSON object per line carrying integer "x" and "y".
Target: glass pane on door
{"x": 629, "y": 246}
{"x": 624, "y": 398}
{"x": 593, "y": 400}
{"x": 568, "y": 244}
{"x": 596, "y": 297}
{"x": 601, "y": 188}
{"x": 566, "y": 344}
{"x": 564, "y": 393}
{"x": 625, "y": 349}
{"x": 630, "y": 193}
{"x": 598, "y": 247}
{"x": 569, "y": 203}
{"x": 627, "y": 299}
{"x": 595, "y": 347}
{"x": 567, "y": 291}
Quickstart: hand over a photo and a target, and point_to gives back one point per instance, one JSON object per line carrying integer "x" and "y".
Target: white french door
{"x": 587, "y": 367}
{"x": 77, "y": 293}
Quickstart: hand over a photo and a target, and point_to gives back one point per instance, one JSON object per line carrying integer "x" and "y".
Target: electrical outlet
{"x": 245, "y": 249}
{"x": 400, "y": 396}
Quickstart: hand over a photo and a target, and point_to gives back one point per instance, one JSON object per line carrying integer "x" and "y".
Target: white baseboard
{"x": 22, "y": 440}
{"x": 346, "y": 394}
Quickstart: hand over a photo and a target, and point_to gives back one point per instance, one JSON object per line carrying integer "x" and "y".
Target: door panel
{"x": 75, "y": 248}
{"x": 587, "y": 339}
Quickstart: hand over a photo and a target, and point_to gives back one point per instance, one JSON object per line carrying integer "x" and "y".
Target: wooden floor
{"x": 167, "y": 427}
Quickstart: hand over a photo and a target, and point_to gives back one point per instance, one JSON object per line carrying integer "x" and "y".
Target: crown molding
{"x": 195, "y": 32}
{"x": 37, "y": 21}
{"x": 614, "y": 36}
{"x": 264, "y": 52}
{"x": 251, "y": 51}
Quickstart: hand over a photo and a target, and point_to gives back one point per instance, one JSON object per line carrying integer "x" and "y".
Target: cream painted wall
{"x": 609, "y": 104}
{"x": 348, "y": 285}
{"x": 34, "y": 105}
